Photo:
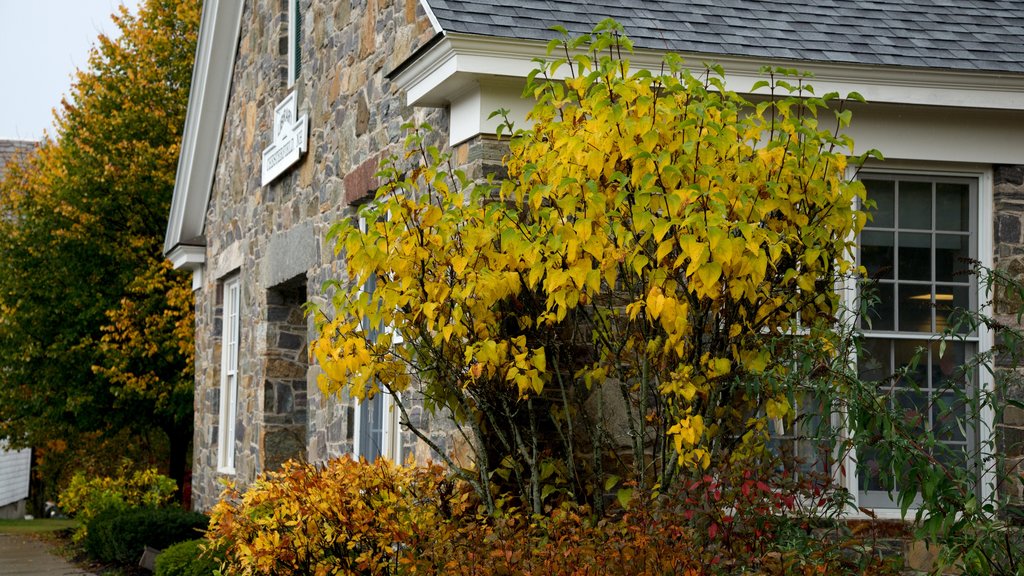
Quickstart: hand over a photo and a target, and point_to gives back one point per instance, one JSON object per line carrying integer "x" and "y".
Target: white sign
{"x": 290, "y": 140}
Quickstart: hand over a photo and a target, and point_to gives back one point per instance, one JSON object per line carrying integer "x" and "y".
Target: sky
{"x": 42, "y": 43}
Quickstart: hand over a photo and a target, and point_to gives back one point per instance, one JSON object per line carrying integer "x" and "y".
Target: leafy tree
{"x": 657, "y": 244}
{"x": 94, "y": 324}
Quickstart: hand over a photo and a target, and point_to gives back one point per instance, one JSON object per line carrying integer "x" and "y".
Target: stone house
{"x": 294, "y": 102}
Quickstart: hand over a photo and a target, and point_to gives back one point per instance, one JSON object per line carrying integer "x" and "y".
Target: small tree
{"x": 657, "y": 238}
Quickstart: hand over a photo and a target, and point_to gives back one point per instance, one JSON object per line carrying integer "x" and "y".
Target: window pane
{"x": 952, "y": 455}
{"x": 948, "y": 300}
{"x": 372, "y": 414}
{"x": 915, "y": 256}
{"x": 912, "y": 357}
{"x": 882, "y": 193}
{"x": 881, "y": 311}
{"x": 869, "y": 471}
{"x": 915, "y": 205}
{"x": 913, "y": 406}
{"x": 952, "y": 206}
{"x": 948, "y": 417}
{"x": 877, "y": 253}
{"x": 915, "y": 308}
{"x": 873, "y": 360}
{"x": 946, "y": 372}
{"x": 951, "y": 254}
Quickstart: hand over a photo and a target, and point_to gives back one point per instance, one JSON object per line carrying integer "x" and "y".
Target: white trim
{"x": 228, "y": 409}
{"x": 986, "y": 337}
{"x": 445, "y": 69}
{"x": 204, "y": 120}
{"x": 391, "y": 437}
{"x": 430, "y": 16}
{"x": 457, "y": 70}
{"x": 392, "y": 430}
{"x": 357, "y": 427}
{"x": 188, "y": 257}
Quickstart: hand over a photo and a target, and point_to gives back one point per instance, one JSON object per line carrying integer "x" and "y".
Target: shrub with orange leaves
{"x": 343, "y": 517}
{"x": 354, "y": 517}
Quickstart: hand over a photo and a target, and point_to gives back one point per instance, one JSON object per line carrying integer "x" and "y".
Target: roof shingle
{"x": 981, "y": 35}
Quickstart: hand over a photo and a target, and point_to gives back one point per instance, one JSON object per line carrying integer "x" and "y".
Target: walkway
{"x": 22, "y": 555}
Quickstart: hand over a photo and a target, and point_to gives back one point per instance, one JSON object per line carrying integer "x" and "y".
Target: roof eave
{"x": 434, "y": 76}
{"x": 204, "y": 120}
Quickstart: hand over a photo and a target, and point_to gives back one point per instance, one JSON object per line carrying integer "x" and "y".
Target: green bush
{"x": 120, "y": 536}
{"x": 87, "y": 498}
{"x": 189, "y": 558}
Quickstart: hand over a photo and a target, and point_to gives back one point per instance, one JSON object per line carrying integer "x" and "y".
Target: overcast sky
{"x": 42, "y": 42}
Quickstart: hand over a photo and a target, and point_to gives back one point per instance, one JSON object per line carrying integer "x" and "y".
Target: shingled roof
{"x": 964, "y": 35}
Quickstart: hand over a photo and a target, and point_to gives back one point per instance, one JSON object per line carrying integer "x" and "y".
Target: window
{"x": 915, "y": 249}
{"x": 294, "y": 42}
{"x": 228, "y": 377}
{"x": 376, "y": 427}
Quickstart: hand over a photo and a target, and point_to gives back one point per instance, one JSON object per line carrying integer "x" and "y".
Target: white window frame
{"x": 228, "y": 417}
{"x": 845, "y": 470}
{"x": 294, "y": 38}
{"x": 391, "y": 436}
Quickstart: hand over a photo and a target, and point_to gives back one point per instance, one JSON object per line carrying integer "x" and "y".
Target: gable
{"x": 204, "y": 122}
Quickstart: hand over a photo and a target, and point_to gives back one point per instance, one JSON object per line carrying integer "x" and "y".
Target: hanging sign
{"x": 290, "y": 140}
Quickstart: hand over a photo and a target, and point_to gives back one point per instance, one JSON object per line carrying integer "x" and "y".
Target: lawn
{"x": 37, "y": 526}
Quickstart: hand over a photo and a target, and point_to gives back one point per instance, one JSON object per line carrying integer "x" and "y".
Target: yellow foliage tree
{"x": 657, "y": 242}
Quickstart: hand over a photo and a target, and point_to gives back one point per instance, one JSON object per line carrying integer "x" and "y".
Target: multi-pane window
{"x": 916, "y": 250}
{"x": 376, "y": 427}
{"x": 228, "y": 376}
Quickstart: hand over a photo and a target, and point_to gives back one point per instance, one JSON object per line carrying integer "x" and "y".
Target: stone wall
{"x": 1009, "y": 257}
{"x": 273, "y": 236}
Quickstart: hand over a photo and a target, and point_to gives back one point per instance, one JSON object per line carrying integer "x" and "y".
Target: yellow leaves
{"x": 687, "y": 437}
{"x": 755, "y": 361}
{"x": 655, "y": 302}
{"x": 431, "y": 216}
{"x": 708, "y": 274}
{"x": 459, "y": 264}
{"x": 660, "y": 230}
{"x": 777, "y": 407}
{"x": 340, "y": 517}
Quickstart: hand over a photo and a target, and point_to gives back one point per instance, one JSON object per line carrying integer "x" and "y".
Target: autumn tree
{"x": 95, "y": 328}
{"x": 620, "y": 308}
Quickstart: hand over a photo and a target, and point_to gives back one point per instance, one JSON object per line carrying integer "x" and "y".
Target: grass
{"x": 37, "y": 526}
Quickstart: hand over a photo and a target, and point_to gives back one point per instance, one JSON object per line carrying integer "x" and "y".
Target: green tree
{"x": 93, "y": 328}
{"x": 658, "y": 241}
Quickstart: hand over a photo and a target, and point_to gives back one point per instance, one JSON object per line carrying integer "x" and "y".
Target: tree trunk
{"x": 179, "y": 444}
